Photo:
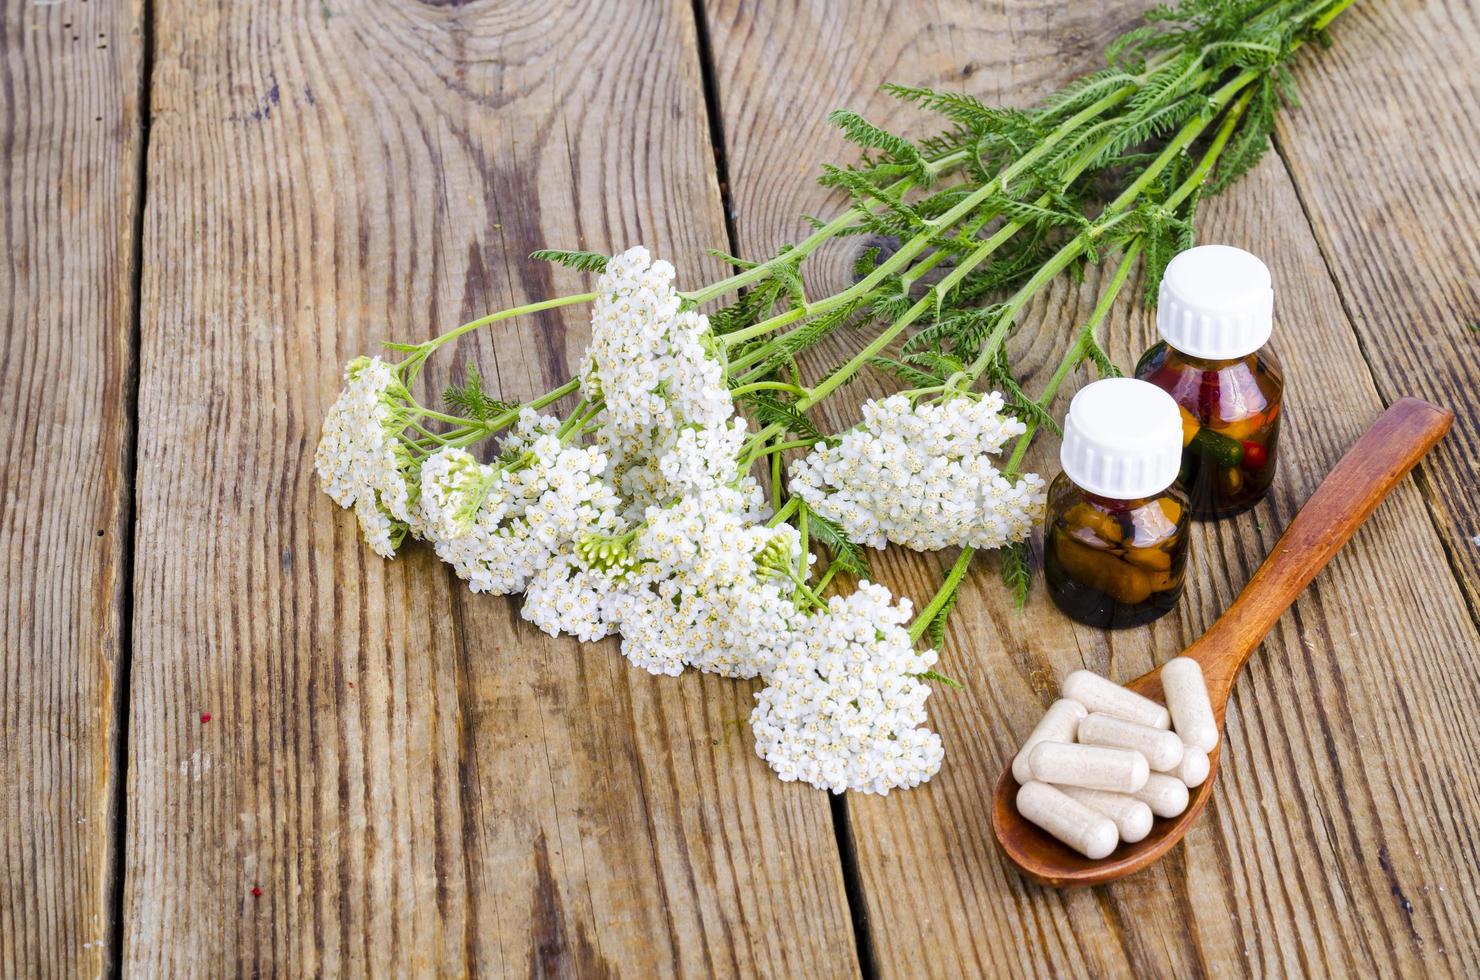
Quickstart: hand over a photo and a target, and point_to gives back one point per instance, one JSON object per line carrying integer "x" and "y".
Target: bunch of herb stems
{"x": 467, "y": 433}
{"x": 1113, "y": 213}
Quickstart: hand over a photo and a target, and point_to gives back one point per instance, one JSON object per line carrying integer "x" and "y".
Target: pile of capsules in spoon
{"x": 1104, "y": 760}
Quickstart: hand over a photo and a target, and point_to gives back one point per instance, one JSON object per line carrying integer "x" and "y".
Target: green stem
{"x": 427, "y": 413}
{"x": 942, "y": 596}
{"x": 483, "y": 321}
{"x": 812, "y": 242}
{"x": 1075, "y": 355}
{"x": 776, "y": 482}
{"x": 761, "y": 352}
{"x": 1325, "y": 19}
{"x": 746, "y": 389}
{"x": 917, "y": 272}
{"x": 803, "y": 551}
{"x": 803, "y": 589}
{"x": 784, "y": 514}
{"x": 575, "y": 426}
{"x": 768, "y": 449}
{"x": 428, "y": 433}
{"x": 573, "y": 421}
{"x": 804, "y": 248}
{"x": 477, "y": 431}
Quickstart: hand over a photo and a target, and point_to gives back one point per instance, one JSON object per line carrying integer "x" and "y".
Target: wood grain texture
{"x": 69, "y": 157}
{"x": 1388, "y": 169}
{"x": 1342, "y": 837}
{"x": 416, "y": 780}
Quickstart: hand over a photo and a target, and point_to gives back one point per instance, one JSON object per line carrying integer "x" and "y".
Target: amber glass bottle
{"x": 1115, "y": 539}
{"x": 1215, "y": 315}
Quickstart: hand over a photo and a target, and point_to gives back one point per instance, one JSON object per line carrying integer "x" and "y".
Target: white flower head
{"x": 527, "y": 429}
{"x": 566, "y": 596}
{"x": 922, "y": 476}
{"x": 845, "y": 700}
{"x": 454, "y": 486}
{"x": 361, "y": 460}
{"x": 656, "y": 368}
{"x": 707, "y": 589}
{"x": 529, "y": 512}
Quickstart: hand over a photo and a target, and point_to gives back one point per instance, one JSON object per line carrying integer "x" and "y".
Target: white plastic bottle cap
{"x": 1122, "y": 439}
{"x": 1215, "y": 302}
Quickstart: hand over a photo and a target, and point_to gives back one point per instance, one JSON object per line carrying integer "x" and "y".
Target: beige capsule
{"x": 1132, "y": 817}
{"x": 1162, "y": 749}
{"x": 1165, "y": 795}
{"x": 1088, "y": 831}
{"x": 1090, "y": 766}
{"x": 1059, "y": 724}
{"x": 1187, "y": 699}
{"x": 1107, "y": 697}
{"x": 1193, "y": 769}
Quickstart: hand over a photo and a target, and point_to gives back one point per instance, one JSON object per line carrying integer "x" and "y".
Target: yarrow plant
{"x": 661, "y": 508}
{"x": 361, "y": 460}
{"x": 921, "y": 476}
{"x": 845, "y": 703}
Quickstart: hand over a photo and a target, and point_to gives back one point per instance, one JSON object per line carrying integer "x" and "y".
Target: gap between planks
{"x": 847, "y": 856}
{"x": 117, "y": 843}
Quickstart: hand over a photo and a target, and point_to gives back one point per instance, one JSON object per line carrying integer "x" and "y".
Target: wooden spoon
{"x": 1346, "y": 498}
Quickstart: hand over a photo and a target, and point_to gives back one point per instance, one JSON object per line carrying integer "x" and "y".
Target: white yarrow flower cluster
{"x": 707, "y": 589}
{"x": 360, "y": 459}
{"x": 656, "y": 368}
{"x": 567, "y": 596}
{"x": 922, "y": 476}
{"x": 845, "y": 702}
{"x": 453, "y": 487}
{"x": 498, "y": 526}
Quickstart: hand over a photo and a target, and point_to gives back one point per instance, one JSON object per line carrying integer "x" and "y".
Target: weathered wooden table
{"x": 235, "y": 741}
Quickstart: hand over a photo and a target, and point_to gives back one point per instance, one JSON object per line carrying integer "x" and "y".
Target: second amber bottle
{"x": 1215, "y": 314}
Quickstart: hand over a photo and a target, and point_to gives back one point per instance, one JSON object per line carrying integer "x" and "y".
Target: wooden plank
{"x": 415, "y": 780}
{"x": 1339, "y": 842}
{"x": 1389, "y": 175}
{"x": 69, "y": 124}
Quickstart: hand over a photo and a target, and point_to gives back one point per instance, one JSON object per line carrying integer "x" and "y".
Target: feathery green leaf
{"x": 846, "y": 554}
{"x": 1016, "y": 571}
{"x": 584, "y": 261}
{"x": 469, "y": 400}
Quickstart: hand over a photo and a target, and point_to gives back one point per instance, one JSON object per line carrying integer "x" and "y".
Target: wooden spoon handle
{"x": 1364, "y": 476}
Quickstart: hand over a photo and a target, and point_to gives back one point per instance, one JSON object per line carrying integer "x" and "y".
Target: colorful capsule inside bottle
{"x": 1116, "y": 530}
{"x": 1215, "y": 314}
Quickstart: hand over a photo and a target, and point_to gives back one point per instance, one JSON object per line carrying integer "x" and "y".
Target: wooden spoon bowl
{"x": 1343, "y": 501}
